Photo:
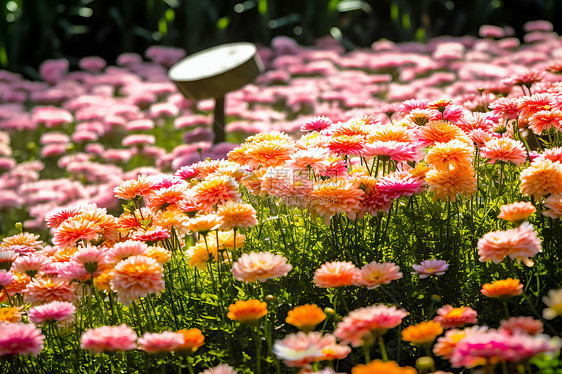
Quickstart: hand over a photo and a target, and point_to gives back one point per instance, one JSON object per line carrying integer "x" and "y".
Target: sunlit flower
{"x": 45, "y": 290}
{"x": 192, "y": 340}
{"x": 305, "y": 317}
{"x": 202, "y": 253}
{"x": 171, "y": 196}
{"x": 216, "y": 190}
{"x": 248, "y": 312}
{"x": 453, "y": 154}
{"x": 300, "y": 349}
{"x": 503, "y": 288}
{"x": 397, "y": 151}
{"x": 7, "y": 258}
{"x": 430, "y": 267}
{"x": 107, "y": 339}
{"x": 519, "y": 243}
{"x": 447, "y": 184}
{"x": 446, "y": 344}
{"x": 160, "y": 342}
{"x": 374, "y": 274}
{"x": 236, "y": 215}
{"x": 422, "y": 333}
{"x": 439, "y": 132}
{"x": 335, "y": 274}
{"x": 260, "y": 266}
{"x": 58, "y": 216}
{"x": 504, "y": 149}
{"x": 316, "y": 124}
{"x": 399, "y": 183}
{"x": 5, "y": 278}
{"x": 269, "y": 153}
{"x": 362, "y": 325}
{"x": 23, "y": 243}
{"x": 517, "y": 325}
{"x": 10, "y": 314}
{"x": 450, "y": 317}
{"x": 346, "y": 144}
{"x": 541, "y": 178}
{"x": 135, "y": 277}
{"x": 129, "y": 189}
{"x": 55, "y": 311}
{"x": 546, "y": 119}
{"x": 18, "y": 284}
{"x": 124, "y": 250}
{"x": 313, "y": 157}
{"x": 334, "y": 196}
{"x": 378, "y": 366}
{"x": 554, "y": 205}
{"x": 554, "y": 303}
{"x": 74, "y": 229}
{"x": 516, "y": 212}
{"x": 20, "y": 339}
{"x": 204, "y": 223}
{"x": 172, "y": 218}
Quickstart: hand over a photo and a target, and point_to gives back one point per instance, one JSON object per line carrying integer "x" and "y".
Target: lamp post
{"x": 213, "y": 72}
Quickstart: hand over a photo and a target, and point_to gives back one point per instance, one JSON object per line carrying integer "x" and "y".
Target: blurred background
{"x": 32, "y": 31}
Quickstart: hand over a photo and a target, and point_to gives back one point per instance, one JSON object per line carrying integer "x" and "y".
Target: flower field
{"x": 391, "y": 210}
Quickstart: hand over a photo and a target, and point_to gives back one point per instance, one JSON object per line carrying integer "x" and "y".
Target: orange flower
{"x": 454, "y": 154}
{"x": 378, "y": 366}
{"x": 161, "y": 255}
{"x": 504, "y": 149}
{"x": 131, "y": 188}
{"x": 440, "y": 132}
{"x": 204, "y": 223}
{"x": 102, "y": 280}
{"x": 445, "y": 344}
{"x": 45, "y": 290}
{"x": 235, "y": 215}
{"x": 422, "y": 333}
{"x": 541, "y": 178}
{"x": 353, "y": 127}
{"x": 335, "y": 274}
{"x": 305, "y": 317}
{"x": 10, "y": 315}
{"x": 346, "y": 144}
{"x": 336, "y": 195}
{"x": 248, "y": 312}
{"x": 172, "y": 217}
{"x": 171, "y": 196}
{"x": 269, "y": 153}
{"x": 135, "y": 277}
{"x": 74, "y": 229}
{"x": 516, "y": 212}
{"x": 238, "y": 154}
{"x": 389, "y": 133}
{"x": 22, "y": 239}
{"x": 503, "y": 288}
{"x": 203, "y": 254}
{"x": 447, "y": 184}
{"x": 192, "y": 340}
{"x": 18, "y": 284}
{"x": 216, "y": 190}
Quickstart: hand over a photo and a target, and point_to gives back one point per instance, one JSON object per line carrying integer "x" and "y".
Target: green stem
{"x": 383, "y": 349}
{"x": 367, "y": 351}
{"x": 258, "y": 350}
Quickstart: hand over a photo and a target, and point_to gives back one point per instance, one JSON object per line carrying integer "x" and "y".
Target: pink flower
{"x": 165, "y": 56}
{"x": 450, "y": 317}
{"x": 52, "y": 71}
{"x": 30, "y": 264}
{"x": 260, "y": 266}
{"x": 526, "y": 325}
{"x": 399, "y": 183}
{"x": 316, "y": 124}
{"x": 300, "y": 349}
{"x": 521, "y": 243}
{"x": 5, "y": 277}
{"x": 109, "y": 339}
{"x": 362, "y": 325}
{"x": 123, "y": 250}
{"x": 374, "y": 274}
{"x": 221, "y": 369}
{"x": 92, "y": 63}
{"x": 20, "y": 339}
{"x": 397, "y": 151}
{"x": 430, "y": 267}
{"x": 504, "y": 149}
{"x": 161, "y": 342}
{"x": 138, "y": 139}
{"x": 59, "y": 311}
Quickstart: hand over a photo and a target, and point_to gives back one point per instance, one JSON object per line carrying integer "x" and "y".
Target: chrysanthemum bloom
{"x": 378, "y": 366}
{"x": 552, "y": 154}
{"x": 91, "y": 258}
{"x": 314, "y": 157}
{"x": 334, "y": 196}
{"x": 269, "y": 153}
{"x": 305, "y": 317}
{"x": 422, "y": 333}
{"x": 216, "y": 190}
{"x": 172, "y": 218}
{"x": 503, "y": 288}
{"x": 554, "y": 303}
{"x": 316, "y": 124}
{"x": 204, "y": 223}
{"x": 373, "y": 201}
{"x": 30, "y": 265}
{"x": 450, "y": 317}
{"x": 74, "y": 229}
{"x": 17, "y": 285}
{"x": 393, "y": 133}
{"x": 7, "y": 258}
{"x": 505, "y": 107}
{"x": 374, "y": 274}
{"x": 236, "y": 215}
{"x": 160, "y": 254}
{"x": 247, "y": 312}
{"x": 300, "y": 349}
{"x": 440, "y": 132}
{"x": 5, "y": 278}
{"x": 453, "y": 154}
{"x": 516, "y": 212}
{"x": 10, "y": 314}
{"x": 447, "y": 184}
{"x": 335, "y": 274}
{"x": 202, "y": 253}
{"x": 129, "y": 189}
{"x": 361, "y": 326}
{"x": 20, "y": 339}
{"x": 397, "y": 151}
{"x": 192, "y": 340}
{"x": 422, "y": 116}
{"x": 554, "y": 205}
{"x": 55, "y": 311}
{"x": 160, "y": 342}
{"x": 135, "y": 277}
{"x": 525, "y": 325}
{"x": 504, "y": 149}
{"x": 171, "y": 196}
{"x": 428, "y": 268}
{"x": 102, "y": 280}
{"x": 546, "y": 119}
{"x": 543, "y": 177}
{"x": 447, "y": 343}
{"x": 154, "y": 234}
{"x": 124, "y": 250}
{"x": 45, "y": 290}
{"x": 221, "y": 369}
{"x": 23, "y": 243}
{"x": 109, "y": 339}
{"x": 399, "y": 183}
{"x": 346, "y": 144}
{"x": 519, "y": 243}
{"x": 260, "y": 266}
